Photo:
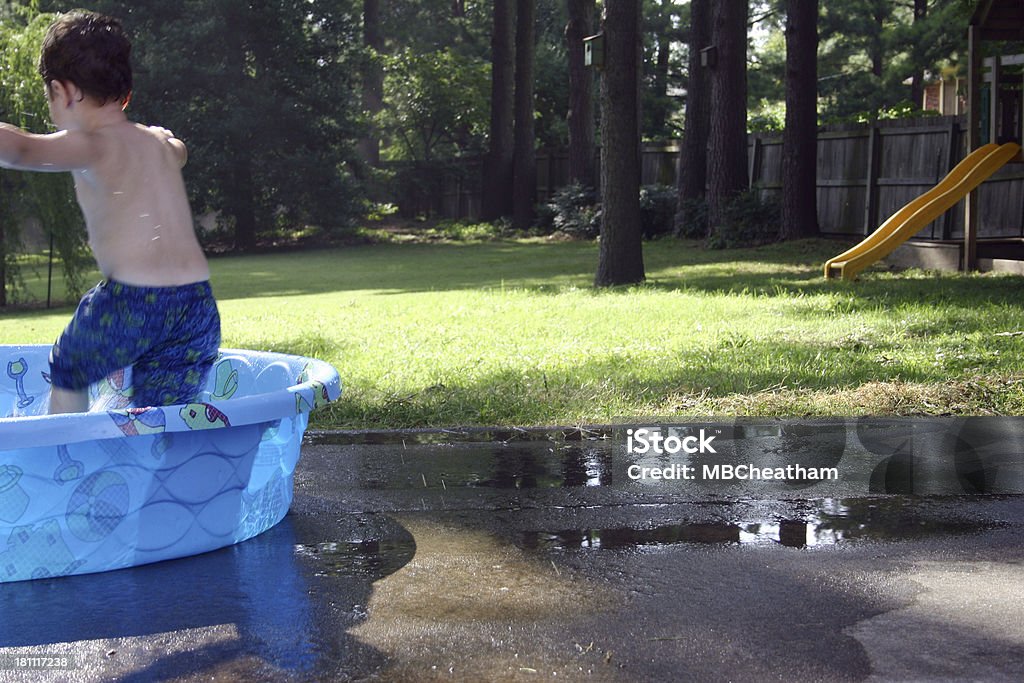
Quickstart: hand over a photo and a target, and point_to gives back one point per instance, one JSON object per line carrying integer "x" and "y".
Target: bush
{"x": 465, "y": 231}
{"x": 574, "y": 210}
{"x": 748, "y": 220}
{"x": 691, "y": 221}
{"x": 657, "y": 210}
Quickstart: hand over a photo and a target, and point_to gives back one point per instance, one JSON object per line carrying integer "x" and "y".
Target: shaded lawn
{"x": 512, "y": 333}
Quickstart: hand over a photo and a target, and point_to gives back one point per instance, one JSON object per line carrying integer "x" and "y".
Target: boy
{"x": 154, "y": 311}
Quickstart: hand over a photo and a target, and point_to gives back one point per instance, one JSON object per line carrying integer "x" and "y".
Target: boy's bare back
{"x": 136, "y": 209}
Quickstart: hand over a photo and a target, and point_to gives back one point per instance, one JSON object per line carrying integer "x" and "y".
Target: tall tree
{"x": 581, "y": 98}
{"x": 727, "y": 138}
{"x": 524, "y": 159}
{"x": 799, "y": 140}
{"x": 693, "y": 154}
{"x": 373, "y": 80}
{"x": 437, "y": 104}
{"x": 863, "y": 64}
{"x": 917, "y": 78}
{"x": 620, "y": 257}
{"x": 269, "y": 112}
{"x": 496, "y": 199}
{"x": 662, "y": 20}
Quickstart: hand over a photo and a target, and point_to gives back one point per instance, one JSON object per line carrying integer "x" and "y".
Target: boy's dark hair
{"x": 91, "y": 51}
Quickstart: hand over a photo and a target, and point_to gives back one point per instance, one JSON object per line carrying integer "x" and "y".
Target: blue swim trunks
{"x": 169, "y": 336}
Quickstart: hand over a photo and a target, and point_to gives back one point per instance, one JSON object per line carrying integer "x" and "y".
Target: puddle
{"x": 288, "y": 597}
{"x": 837, "y": 458}
{"x": 436, "y": 437}
{"x": 371, "y": 558}
{"x": 833, "y": 522}
{"x": 359, "y": 547}
{"x": 489, "y": 466}
{"x": 519, "y": 468}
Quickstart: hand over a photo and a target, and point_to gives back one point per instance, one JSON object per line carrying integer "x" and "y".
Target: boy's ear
{"x": 65, "y": 92}
{"x": 59, "y": 93}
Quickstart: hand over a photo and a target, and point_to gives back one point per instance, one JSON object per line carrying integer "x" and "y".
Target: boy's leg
{"x": 99, "y": 339}
{"x": 68, "y": 400}
{"x": 175, "y": 371}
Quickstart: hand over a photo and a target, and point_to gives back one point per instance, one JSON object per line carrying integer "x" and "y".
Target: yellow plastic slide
{"x": 904, "y": 224}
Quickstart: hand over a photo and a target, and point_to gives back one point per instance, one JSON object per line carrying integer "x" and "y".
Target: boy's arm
{"x": 63, "y": 151}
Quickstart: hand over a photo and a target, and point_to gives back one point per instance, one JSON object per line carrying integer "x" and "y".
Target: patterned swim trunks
{"x": 169, "y": 336}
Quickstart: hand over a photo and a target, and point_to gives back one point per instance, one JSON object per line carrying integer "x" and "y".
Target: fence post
{"x": 754, "y": 162}
{"x": 874, "y": 164}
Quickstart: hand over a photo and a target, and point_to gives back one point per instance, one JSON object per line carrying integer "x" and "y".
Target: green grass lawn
{"x": 512, "y": 333}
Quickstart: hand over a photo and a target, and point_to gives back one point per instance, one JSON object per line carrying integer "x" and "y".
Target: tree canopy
{"x": 271, "y": 96}
{"x": 264, "y": 96}
{"x": 47, "y": 197}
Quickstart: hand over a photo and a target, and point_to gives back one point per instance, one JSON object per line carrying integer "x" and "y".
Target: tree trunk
{"x": 581, "y": 98}
{"x": 661, "y": 66}
{"x": 239, "y": 189}
{"x": 497, "y": 181}
{"x": 620, "y": 259}
{"x": 876, "y": 50}
{"x": 524, "y": 157}
{"x": 727, "y": 138}
{"x": 800, "y": 138}
{"x": 660, "y": 109}
{"x": 241, "y": 202}
{"x": 373, "y": 80}
{"x": 693, "y": 155}
{"x": 917, "y": 80}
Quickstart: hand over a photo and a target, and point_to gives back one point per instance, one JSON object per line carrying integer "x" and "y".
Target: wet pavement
{"x": 526, "y": 555}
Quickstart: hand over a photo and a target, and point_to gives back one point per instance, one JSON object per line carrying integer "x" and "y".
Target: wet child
{"x": 154, "y": 311}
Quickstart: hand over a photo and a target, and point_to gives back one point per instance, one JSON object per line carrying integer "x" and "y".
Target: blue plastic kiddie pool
{"x": 121, "y": 485}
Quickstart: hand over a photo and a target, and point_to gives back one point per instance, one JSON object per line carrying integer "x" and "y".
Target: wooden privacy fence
{"x": 864, "y": 175}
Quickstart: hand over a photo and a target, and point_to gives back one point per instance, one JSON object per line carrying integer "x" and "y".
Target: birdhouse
{"x": 709, "y": 57}
{"x": 593, "y": 51}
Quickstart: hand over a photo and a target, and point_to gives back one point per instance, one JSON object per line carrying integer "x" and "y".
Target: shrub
{"x": 748, "y": 220}
{"x": 465, "y": 231}
{"x": 573, "y": 209}
{"x": 691, "y": 220}
{"x": 657, "y": 210}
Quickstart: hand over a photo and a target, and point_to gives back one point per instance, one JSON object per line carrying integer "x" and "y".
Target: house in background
{"x": 947, "y": 93}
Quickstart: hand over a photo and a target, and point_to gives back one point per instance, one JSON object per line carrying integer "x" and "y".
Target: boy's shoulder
{"x": 135, "y": 134}
{"x": 167, "y": 137}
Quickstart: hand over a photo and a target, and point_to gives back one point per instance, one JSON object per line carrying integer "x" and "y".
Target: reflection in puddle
{"x": 921, "y": 456}
{"x": 521, "y": 468}
{"x": 498, "y": 467}
{"x": 358, "y": 558}
{"x": 834, "y": 521}
{"x": 373, "y": 546}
